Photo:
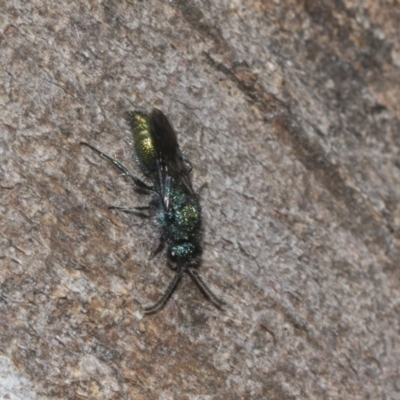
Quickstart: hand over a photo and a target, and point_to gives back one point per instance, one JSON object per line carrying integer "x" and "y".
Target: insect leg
{"x": 140, "y": 184}
{"x": 203, "y": 287}
{"x": 133, "y": 210}
{"x": 142, "y": 208}
{"x": 170, "y": 289}
{"x": 159, "y": 248}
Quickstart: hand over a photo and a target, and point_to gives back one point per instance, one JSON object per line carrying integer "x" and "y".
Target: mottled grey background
{"x": 289, "y": 112}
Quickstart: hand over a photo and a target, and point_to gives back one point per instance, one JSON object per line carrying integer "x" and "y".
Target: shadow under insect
{"x": 174, "y": 204}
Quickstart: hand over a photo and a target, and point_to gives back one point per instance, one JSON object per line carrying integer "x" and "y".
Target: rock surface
{"x": 289, "y": 112}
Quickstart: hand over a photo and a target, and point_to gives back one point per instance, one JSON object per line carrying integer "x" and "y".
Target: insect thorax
{"x": 182, "y": 221}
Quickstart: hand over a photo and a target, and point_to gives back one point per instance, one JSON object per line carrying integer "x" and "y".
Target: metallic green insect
{"x": 174, "y": 204}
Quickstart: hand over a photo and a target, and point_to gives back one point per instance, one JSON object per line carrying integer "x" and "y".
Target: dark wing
{"x": 170, "y": 165}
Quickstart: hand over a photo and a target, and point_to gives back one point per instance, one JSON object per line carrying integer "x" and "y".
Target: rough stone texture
{"x": 289, "y": 111}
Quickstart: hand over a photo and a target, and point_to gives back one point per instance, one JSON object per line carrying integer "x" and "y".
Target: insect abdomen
{"x": 143, "y": 143}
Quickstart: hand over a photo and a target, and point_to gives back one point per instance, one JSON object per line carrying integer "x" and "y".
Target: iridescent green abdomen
{"x": 143, "y": 143}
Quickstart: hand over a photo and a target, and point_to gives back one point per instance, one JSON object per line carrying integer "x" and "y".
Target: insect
{"x": 174, "y": 204}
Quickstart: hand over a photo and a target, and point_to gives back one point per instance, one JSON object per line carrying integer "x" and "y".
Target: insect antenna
{"x": 170, "y": 289}
{"x": 198, "y": 280}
